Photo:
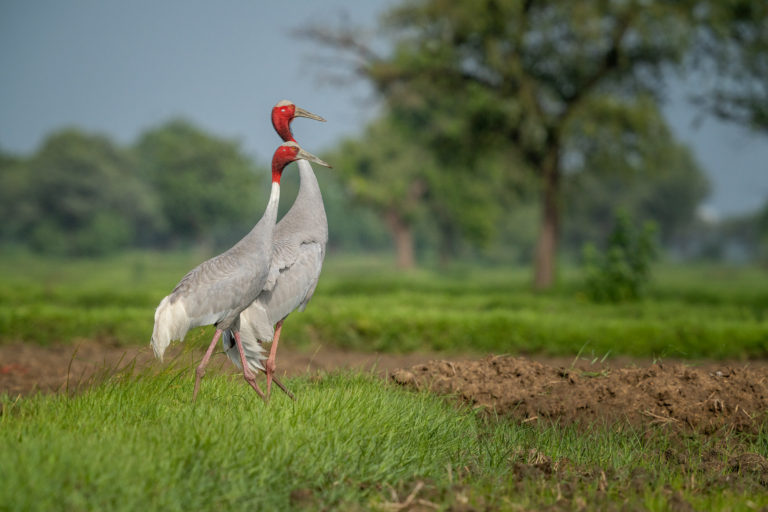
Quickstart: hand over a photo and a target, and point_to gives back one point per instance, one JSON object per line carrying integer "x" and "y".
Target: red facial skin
{"x": 281, "y": 120}
{"x": 282, "y": 157}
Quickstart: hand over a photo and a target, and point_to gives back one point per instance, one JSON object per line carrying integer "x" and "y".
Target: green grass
{"x": 691, "y": 311}
{"x": 350, "y": 442}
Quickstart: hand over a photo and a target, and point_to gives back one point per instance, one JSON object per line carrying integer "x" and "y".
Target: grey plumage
{"x": 219, "y": 289}
{"x": 299, "y": 243}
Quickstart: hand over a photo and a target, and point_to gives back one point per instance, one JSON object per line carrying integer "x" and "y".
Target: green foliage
{"x": 347, "y": 443}
{"x": 364, "y": 304}
{"x": 79, "y": 195}
{"x": 622, "y": 271}
{"x": 513, "y": 78}
{"x": 391, "y": 170}
{"x": 762, "y": 234}
{"x": 15, "y": 189}
{"x": 733, "y": 53}
{"x": 629, "y": 161}
{"x": 384, "y": 171}
{"x": 207, "y": 186}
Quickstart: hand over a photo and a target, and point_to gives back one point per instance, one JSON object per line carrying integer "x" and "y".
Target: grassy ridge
{"x": 137, "y": 443}
{"x": 363, "y": 304}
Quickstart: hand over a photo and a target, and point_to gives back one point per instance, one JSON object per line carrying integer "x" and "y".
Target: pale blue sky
{"x": 122, "y": 66}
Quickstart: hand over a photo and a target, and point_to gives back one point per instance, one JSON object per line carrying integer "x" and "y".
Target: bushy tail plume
{"x": 171, "y": 323}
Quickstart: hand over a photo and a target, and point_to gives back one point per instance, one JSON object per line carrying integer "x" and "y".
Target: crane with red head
{"x": 299, "y": 244}
{"x": 218, "y": 290}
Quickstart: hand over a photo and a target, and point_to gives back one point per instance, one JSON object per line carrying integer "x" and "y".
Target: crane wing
{"x": 293, "y": 277}
{"x": 214, "y": 288}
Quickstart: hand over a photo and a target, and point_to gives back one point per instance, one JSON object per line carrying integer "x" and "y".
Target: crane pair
{"x": 249, "y": 290}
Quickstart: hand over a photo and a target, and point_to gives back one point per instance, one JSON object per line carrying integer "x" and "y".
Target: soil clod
{"x": 670, "y": 394}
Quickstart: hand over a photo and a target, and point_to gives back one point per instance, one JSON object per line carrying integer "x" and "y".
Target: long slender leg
{"x": 250, "y": 378}
{"x": 270, "y": 366}
{"x": 201, "y": 369}
{"x": 281, "y": 386}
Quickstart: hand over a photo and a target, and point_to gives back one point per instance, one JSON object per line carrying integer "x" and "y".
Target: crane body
{"x": 218, "y": 290}
{"x": 299, "y": 243}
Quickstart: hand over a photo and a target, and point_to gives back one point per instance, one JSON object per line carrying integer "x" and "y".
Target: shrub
{"x": 622, "y": 271}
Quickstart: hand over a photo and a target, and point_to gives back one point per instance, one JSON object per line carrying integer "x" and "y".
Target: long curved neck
{"x": 270, "y": 214}
{"x": 283, "y": 129}
{"x": 259, "y": 238}
{"x": 308, "y": 186}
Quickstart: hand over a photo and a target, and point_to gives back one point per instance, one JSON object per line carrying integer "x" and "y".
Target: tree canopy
{"x": 733, "y": 56}
{"x": 520, "y": 72}
{"x": 207, "y": 187}
{"x": 80, "y": 195}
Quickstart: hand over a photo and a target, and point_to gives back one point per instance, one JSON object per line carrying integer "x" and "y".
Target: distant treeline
{"x": 508, "y": 131}
{"x": 81, "y": 194}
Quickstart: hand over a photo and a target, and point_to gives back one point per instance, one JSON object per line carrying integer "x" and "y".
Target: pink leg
{"x": 201, "y": 369}
{"x": 285, "y": 390}
{"x": 250, "y": 378}
{"x": 270, "y": 366}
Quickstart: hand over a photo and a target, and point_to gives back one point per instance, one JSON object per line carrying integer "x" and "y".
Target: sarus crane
{"x": 218, "y": 290}
{"x": 297, "y": 258}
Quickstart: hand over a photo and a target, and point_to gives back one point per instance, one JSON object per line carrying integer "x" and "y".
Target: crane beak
{"x": 300, "y": 112}
{"x": 306, "y": 155}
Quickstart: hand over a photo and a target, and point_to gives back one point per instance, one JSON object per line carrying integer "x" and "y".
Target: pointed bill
{"x": 306, "y": 155}
{"x": 300, "y": 112}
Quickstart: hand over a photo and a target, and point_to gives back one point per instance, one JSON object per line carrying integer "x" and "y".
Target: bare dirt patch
{"x": 29, "y": 368}
{"x": 706, "y": 398}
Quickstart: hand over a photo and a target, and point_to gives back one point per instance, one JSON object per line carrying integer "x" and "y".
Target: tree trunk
{"x": 549, "y": 230}
{"x": 402, "y": 235}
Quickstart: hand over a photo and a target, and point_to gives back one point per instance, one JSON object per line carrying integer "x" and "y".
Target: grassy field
{"x": 355, "y": 442}
{"x": 350, "y": 442}
{"x": 361, "y": 303}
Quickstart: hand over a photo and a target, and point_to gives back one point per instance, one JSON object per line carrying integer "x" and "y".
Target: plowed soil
{"x": 703, "y": 396}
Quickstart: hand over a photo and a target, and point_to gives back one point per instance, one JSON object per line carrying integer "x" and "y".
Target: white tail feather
{"x": 171, "y": 323}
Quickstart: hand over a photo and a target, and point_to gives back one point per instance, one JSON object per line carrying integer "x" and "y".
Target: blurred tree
{"x": 625, "y": 157}
{"x": 15, "y": 209}
{"x": 762, "y": 235}
{"x": 209, "y": 189}
{"x": 392, "y": 171}
{"x": 733, "y": 56}
{"x": 82, "y": 197}
{"x": 353, "y": 226}
{"x": 519, "y": 72}
{"x": 386, "y": 173}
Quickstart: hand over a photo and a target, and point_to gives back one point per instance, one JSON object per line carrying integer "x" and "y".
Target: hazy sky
{"x": 122, "y": 66}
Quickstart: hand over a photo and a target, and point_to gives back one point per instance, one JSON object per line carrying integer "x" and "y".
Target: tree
{"x": 628, "y": 160}
{"x": 83, "y": 197}
{"x": 391, "y": 170}
{"x": 520, "y": 71}
{"x": 733, "y": 49}
{"x": 14, "y": 191}
{"x": 208, "y": 188}
{"x": 762, "y": 234}
{"x": 387, "y": 173}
